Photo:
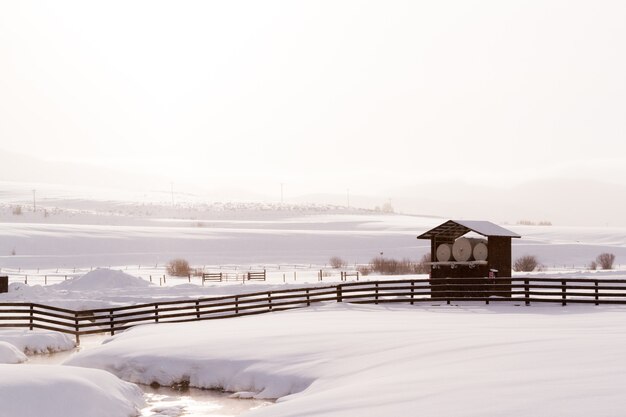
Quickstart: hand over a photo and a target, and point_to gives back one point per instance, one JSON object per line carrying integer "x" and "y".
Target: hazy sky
{"x": 348, "y": 94}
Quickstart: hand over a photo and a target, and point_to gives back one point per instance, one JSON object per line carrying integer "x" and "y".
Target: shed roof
{"x": 453, "y": 229}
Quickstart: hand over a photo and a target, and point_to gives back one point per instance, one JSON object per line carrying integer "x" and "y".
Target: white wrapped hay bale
{"x": 464, "y": 247}
{"x": 444, "y": 252}
{"x": 480, "y": 251}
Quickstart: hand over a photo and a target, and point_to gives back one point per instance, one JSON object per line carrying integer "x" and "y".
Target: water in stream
{"x": 167, "y": 401}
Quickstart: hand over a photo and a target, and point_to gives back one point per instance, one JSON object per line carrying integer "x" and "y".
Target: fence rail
{"x": 525, "y": 290}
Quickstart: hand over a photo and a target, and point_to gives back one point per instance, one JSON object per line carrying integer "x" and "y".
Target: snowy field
{"x": 329, "y": 360}
{"x": 345, "y": 360}
{"x": 70, "y": 232}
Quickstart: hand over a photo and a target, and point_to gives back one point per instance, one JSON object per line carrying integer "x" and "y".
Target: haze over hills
{"x": 559, "y": 201}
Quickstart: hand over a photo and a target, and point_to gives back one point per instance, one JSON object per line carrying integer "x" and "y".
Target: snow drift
{"x": 103, "y": 278}
{"x": 37, "y": 341}
{"x": 56, "y": 391}
{"x": 347, "y": 360}
{"x": 11, "y": 354}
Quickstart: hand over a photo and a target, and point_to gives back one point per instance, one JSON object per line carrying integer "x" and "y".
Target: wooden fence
{"x": 522, "y": 291}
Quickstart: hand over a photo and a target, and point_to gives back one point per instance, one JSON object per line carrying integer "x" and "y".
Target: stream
{"x": 168, "y": 401}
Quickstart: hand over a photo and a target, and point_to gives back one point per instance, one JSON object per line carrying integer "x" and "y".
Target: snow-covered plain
{"x": 329, "y": 360}
{"x": 71, "y": 231}
{"x": 347, "y": 360}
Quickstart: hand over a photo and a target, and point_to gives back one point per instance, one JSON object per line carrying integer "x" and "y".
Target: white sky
{"x": 342, "y": 94}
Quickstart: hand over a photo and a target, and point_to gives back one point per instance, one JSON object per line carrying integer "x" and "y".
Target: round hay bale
{"x": 444, "y": 252}
{"x": 462, "y": 249}
{"x": 480, "y": 251}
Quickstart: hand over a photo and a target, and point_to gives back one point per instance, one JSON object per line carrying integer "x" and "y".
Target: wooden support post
{"x": 156, "y": 313}
{"x": 77, "y": 329}
{"x": 339, "y": 294}
{"x": 236, "y": 305}
{"x": 412, "y": 291}
{"x": 32, "y": 317}
{"x": 357, "y": 275}
{"x": 197, "y": 309}
{"x": 189, "y": 277}
{"x": 564, "y": 292}
{"x": 596, "y": 291}
{"x": 111, "y": 323}
{"x": 269, "y": 299}
{"x": 527, "y": 291}
{"x": 376, "y": 296}
{"x": 308, "y": 299}
{"x": 45, "y": 280}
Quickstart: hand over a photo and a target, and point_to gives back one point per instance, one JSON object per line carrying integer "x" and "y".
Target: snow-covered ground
{"x": 55, "y": 391}
{"x": 347, "y": 360}
{"x": 329, "y": 360}
{"x": 75, "y": 230}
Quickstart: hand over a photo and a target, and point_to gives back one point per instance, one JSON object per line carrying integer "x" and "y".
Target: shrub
{"x": 526, "y": 263}
{"x": 364, "y": 270}
{"x": 336, "y": 262}
{"x": 605, "y": 260}
{"x": 178, "y": 268}
{"x": 593, "y": 265}
{"x": 389, "y": 266}
{"x": 17, "y": 210}
{"x": 422, "y": 267}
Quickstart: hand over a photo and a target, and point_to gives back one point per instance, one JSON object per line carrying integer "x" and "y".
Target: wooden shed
{"x": 485, "y": 256}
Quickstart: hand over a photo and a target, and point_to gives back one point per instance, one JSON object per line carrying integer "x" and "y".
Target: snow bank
{"x": 104, "y": 278}
{"x": 37, "y": 341}
{"x": 347, "y": 360}
{"x": 11, "y": 354}
{"x": 56, "y": 391}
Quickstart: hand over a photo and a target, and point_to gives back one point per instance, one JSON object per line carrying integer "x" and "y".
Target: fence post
{"x": 77, "y": 328}
{"x": 339, "y": 294}
{"x": 412, "y": 291}
{"x": 596, "y": 290}
{"x": 269, "y": 299}
{"x": 156, "y": 313}
{"x": 197, "y": 309}
{"x": 357, "y": 275}
{"x": 236, "y": 304}
{"x": 45, "y": 280}
{"x": 308, "y": 300}
{"x": 111, "y": 321}
{"x": 32, "y": 316}
{"x": 376, "y": 296}
{"x": 564, "y": 292}
{"x": 527, "y": 291}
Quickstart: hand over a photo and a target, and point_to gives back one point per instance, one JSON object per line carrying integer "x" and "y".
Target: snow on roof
{"x": 456, "y": 228}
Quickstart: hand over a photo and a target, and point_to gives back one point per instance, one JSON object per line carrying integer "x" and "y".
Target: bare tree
{"x": 605, "y": 260}
{"x": 526, "y": 263}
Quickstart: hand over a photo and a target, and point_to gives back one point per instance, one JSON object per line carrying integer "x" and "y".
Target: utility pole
{"x": 34, "y": 201}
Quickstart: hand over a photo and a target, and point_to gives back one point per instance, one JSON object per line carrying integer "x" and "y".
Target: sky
{"x": 322, "y": 95}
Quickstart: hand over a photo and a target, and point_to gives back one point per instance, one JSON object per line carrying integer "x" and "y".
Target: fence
{"x": 525, "y": 291}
